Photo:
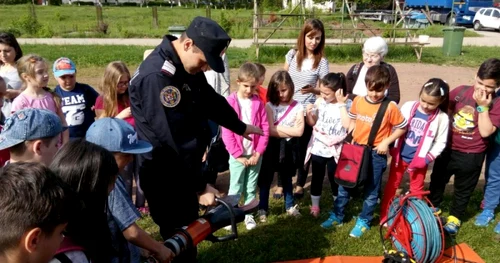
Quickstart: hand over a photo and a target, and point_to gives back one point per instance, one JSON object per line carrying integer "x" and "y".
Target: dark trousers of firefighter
{"x": 172, "y": 199}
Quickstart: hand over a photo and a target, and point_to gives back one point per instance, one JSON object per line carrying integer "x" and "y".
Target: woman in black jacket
{"x": 374, "y": 51}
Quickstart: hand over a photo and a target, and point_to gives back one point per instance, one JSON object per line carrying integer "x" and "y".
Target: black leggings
{"x": 303, "y": 170}
{"x": 318, "y": 164}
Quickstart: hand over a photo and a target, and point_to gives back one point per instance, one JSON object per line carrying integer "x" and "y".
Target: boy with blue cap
{"x": 77, "y": 99}
{"x": 31, "y": 135}
{"x": 120, "y": 138}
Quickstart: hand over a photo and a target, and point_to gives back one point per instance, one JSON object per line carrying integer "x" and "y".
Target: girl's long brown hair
{"x": 108, "y": 86}
{"x": 310, "y": 25}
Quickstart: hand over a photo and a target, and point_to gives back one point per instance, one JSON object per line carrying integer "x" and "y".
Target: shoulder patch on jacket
{"x": 168, "y": 68}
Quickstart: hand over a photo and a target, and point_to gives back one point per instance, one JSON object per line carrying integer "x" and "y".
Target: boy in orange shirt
{"x": 261, "y": 91}
{"x": 362, "y": 114}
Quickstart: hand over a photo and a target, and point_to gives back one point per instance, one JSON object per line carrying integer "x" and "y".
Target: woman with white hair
{"x": 374, "y": 51}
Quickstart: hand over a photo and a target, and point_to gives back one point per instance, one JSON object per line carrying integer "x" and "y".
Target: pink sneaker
{"x": 144, "y": 210}
{"x": 315, "y": 211}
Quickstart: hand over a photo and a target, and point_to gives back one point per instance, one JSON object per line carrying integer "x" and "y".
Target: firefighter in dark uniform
{"x": 171, "y": 102}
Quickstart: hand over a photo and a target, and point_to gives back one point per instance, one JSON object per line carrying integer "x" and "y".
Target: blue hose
{"x": 426, "y": 237}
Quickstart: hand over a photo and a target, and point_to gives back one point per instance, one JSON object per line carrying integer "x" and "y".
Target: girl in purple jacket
{"x": 245, "y": 155}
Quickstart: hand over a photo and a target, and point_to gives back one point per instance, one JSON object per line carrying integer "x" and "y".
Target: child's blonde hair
{"x": 108, "y": 86}
{"x": 248, "y": 71}
{"x": 26, "y": 65}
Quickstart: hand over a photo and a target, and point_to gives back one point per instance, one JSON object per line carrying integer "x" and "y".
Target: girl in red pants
{"x": 424, "y": 140}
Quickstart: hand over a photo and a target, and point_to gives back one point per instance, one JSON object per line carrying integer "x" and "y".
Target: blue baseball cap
{"x": 116, "y": 135}
{"x": 63, "y": 66}
{"x": 29, "y": 124}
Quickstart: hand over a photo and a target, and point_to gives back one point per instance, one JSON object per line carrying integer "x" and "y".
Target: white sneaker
{"x": 262, "y": 215}
{"x": 249, "y": 222}
{"x": 293, "y": 211}
{"x": 228, "y": 228}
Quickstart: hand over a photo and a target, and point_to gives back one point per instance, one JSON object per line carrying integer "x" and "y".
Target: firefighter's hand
{"x": 207, "y": 198}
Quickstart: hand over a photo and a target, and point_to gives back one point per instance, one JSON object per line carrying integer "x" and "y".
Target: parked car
{"x": 487, "y": 18}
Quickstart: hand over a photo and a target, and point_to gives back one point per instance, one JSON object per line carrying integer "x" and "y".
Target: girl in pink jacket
{"x": 246, "y": 156}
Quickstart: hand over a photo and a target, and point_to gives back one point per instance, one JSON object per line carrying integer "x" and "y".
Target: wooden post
{"x": 155, "y": 16}
{"x": 32, "y": 11}
{"x": 208, "y": 11}
{"x": 98, "y": 9}
{"x": 255, "y": 28}
{"x": 342, "y": 22}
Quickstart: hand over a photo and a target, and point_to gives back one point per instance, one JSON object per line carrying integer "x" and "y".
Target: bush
{"x": 27, "y": 25}
{"x": 14, "y": 31}
{"x": 224, "y": 22}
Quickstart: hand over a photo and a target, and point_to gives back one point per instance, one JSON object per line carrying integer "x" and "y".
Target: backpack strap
{"x": 378, "y": 121}
{"x": 290, "y": 107}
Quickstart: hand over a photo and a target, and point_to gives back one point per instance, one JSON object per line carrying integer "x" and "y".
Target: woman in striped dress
{"x": 306, "y": 65}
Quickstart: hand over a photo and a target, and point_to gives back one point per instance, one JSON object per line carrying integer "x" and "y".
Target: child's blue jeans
{"x": 371, "y": 190}
{"x": 492, "y": 176}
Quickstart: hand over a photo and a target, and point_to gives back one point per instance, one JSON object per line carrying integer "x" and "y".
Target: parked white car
{"x": 488, "y": 17}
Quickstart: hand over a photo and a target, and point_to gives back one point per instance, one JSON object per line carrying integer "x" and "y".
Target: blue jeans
{"x": 371, "y": 190}
{"x": 492, "y": 176}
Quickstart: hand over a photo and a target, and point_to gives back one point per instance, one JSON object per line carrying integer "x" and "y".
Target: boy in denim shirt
{"x": 119, "y": 137}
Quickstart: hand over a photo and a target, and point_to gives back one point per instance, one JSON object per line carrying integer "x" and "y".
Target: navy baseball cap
{"x": 116, "y": 135}
{"x": 210, "y": 38}
{"x": 29, "y": 124}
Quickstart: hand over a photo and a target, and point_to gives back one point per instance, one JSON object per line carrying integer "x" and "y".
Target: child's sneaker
{"x": 262, "y": 215}
{"x": 497, "y": 228}
{"x": 360, "y": 228}
{"x": 452, "y": 225}
{"x": 293, "y": 211}
{"x": 331, "y": 221}
{"x": 315, "y": 211}
{"x": 484, "y": 218}
{"x": 250, "y": 222}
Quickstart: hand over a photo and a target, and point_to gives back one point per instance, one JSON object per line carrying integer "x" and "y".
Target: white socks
{"x": 315, "y": 200}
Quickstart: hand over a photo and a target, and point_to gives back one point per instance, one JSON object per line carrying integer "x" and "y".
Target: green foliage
{"x": 14, "y": 2}
{"x": 224, "y": 22}
{"x": 27, "y": 24}
{"x": 270, "y": 4}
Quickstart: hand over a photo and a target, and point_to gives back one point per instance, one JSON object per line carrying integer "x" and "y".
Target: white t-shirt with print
{"x": 289, "y": 120}
{"x": 329, "y": 125}
{"x": 246, "y": 117}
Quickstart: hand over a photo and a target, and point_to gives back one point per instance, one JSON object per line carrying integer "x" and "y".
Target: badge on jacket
{"x": 170, "y": 96}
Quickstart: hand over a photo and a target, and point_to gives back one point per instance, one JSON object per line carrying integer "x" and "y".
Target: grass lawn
{"x": 127, "y": 22}
{"x": 285, "y": 238}
{"x": 100, "y": 55}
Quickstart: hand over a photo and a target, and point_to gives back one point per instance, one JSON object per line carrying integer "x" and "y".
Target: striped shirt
{"x": 306, "y": 76}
